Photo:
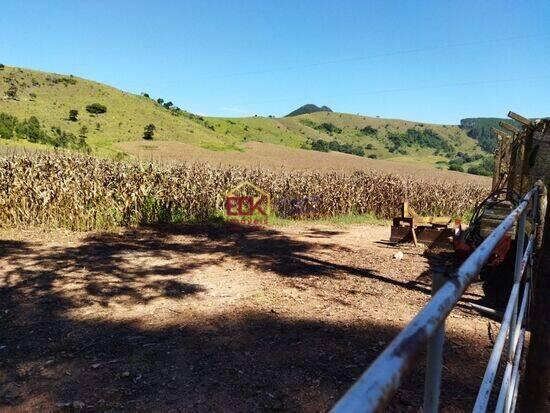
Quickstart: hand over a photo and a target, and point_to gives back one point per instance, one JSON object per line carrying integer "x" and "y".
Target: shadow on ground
{"x": 246, "y": 361}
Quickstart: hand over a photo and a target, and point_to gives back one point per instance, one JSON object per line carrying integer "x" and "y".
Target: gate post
{"x": 535, "y": 388}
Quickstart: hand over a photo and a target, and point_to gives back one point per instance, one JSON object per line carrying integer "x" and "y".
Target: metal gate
{"x": 376, "y": 386}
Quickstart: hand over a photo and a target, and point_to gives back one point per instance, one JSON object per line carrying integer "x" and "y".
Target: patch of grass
{"x": 222, "y": 146}
{"x": 339, "y": 220}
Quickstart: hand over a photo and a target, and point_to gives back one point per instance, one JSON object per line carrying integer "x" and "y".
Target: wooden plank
{"x": 520, "y": 119}
{"x": 509, "y": 127}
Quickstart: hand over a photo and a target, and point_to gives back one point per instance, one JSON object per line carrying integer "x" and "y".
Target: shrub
{"x": 426, "y": 138}
{"x": 373, "y": 156}
{"x": 73, "y": 115}
{"x": 320, "y": 145}
{"x": 456, "y": 167}
{"x": 328, "y": 128}
{"x": 7, "y": 125}
{"x": 368, "y": 130}
{"x": 323, "y": 146}
{"x": 2, "y": 66}
{"x": 149, "y": 131}
{"x": 12, "y": 92}
{"x": 83, "y": 132}
{"x": 96, "y": 108}
{"x": 485, "y": 168}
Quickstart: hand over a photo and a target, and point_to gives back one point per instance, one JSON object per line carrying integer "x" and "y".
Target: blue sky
{"x": 432, "y": 61}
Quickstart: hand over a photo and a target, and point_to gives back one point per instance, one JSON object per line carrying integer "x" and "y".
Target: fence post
{"x": 534, "y": 388}
{"x": 434, "y": 358}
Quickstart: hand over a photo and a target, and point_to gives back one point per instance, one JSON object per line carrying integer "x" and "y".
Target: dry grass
{"x": 83, "y": 193}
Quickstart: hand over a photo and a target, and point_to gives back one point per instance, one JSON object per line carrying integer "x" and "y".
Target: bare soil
{"x": 202, "y": 319}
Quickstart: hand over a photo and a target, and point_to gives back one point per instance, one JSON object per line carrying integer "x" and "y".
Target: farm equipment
{"x": 431, "y": 231}
{"x": 510, "y": 176}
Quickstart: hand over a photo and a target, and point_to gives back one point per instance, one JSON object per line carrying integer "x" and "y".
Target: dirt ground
{"x": 202, "y": 319}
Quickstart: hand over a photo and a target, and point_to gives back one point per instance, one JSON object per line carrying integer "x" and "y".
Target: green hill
{"x": 51, "y": 97}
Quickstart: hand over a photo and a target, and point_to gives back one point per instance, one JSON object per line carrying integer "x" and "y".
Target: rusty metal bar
{"x": 491, "y": 372}
{"x": 372, "y": 391}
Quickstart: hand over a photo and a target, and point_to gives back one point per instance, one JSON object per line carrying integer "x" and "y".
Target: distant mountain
{"x": 309, "y": 108}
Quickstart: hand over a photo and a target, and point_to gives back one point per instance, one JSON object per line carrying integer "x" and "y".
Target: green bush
{"x": 328, "y": 128}
{"x": 369, "y": 131}
{"x": 485, "y": 168}
{"x": 73, "y": 115}
{"x": 320, "y": 145}
{"x": 96, "y": 108}
{"x": 425, "y": 138}
{"x": 323, "y": 146}
{"x": 12, "y": 92}
{"x": 7, "y": 125}
{"x": 149, "y": 132}
{"x": 456, "y": 167}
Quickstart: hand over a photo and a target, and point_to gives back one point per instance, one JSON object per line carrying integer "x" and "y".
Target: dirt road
{"x": 204, "y": 319}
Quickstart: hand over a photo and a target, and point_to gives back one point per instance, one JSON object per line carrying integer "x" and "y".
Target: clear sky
{"x": 432, "y": 61}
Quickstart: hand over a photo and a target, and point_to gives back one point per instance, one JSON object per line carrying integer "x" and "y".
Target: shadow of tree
{"x": 238, "y": 361}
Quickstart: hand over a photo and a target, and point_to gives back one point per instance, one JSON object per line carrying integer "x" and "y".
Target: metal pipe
{"x": 522, "y": 310}
{"x": 516, "y": 348}
{"x": 505, "y": 327}
{"x": 374, "y": 388}
{"x": 515, "y": 371}
{"x": 520, "y": 239}
{"x": 492, "y": 367}
{"x": 483, "y": 309}
{"x": 434, "y": 358}
{"x": 515, "y": 397}
{"x": 504, "y": 398}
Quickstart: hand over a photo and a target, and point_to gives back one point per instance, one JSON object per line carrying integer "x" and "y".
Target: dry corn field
{"x": 85, "y": 193}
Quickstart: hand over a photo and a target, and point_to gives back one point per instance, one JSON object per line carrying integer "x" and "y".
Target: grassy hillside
{"x": 50, "y": 98}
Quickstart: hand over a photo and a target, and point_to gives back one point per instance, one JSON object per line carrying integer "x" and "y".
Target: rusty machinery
{"x": 512, "y": 177}
{"x": 411, "y": 227}
{"x": 509, "y": 182}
